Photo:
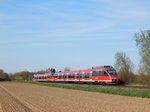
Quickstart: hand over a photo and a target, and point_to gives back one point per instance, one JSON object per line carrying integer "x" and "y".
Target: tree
{"x": 124, "y": 67}
{"x": 143, "y": 43}
{"x": 3, "y": 76}
{"x": 11, "y": 76}
{"x": 24, "y": 75}
{"x": 48, "y": 70}
{"x": 41, "y": 72}
{"x": 66, "y": 69}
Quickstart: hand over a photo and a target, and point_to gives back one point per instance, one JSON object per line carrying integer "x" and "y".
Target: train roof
{"x": 79, "y": 71}
{"x": 86, "y": 70}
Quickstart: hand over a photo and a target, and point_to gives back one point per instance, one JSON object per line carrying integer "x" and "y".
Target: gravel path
{"x": 23, "y": 97}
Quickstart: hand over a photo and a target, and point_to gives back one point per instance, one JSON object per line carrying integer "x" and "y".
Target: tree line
{"x": 125, "y": 67}
{"x": 123, "y": 64}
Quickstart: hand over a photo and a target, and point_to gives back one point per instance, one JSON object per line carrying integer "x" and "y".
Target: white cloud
{"x": 134, "y": 10}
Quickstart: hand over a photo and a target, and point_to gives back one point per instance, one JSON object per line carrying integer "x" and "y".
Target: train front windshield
{"x": 112, "y": 72}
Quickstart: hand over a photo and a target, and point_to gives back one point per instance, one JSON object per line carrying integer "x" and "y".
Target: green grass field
{"x": 137, "y": 84}
{"x": 124, "y": 92}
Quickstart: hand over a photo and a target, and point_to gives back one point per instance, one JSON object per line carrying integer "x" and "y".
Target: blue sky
{"x": 40, "y": 34}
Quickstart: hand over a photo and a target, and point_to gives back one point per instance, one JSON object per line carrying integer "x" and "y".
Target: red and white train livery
{"x": 96, "y": 74}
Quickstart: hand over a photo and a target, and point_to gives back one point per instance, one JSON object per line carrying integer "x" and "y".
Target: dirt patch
{"x": 1, "y": 108}
{"x": 8, "y": 103}
{"x": 50, "y": 99}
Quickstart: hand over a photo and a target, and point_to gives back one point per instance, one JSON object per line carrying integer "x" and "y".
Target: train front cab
{"x": 113, "y": 74}
{"x": 105, "y": 75}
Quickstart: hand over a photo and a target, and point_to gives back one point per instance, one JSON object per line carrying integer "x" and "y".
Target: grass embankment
{"x": 137, "y": 84}
{"x": 125, "y": 92}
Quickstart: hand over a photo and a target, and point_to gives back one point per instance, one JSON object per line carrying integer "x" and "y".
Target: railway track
{"x": 104, "y": 85}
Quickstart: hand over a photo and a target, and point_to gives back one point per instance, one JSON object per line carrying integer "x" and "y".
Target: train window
{"x": 99, "y": 73}
{"x": 105, "y": 74}
{"x": 60, "y": 76}
{"x": 87, "y": 75}
{"x": 73, "y": 75}
{"x": 64, "y": 76}
{"x": 68, "y": 75}
{"x": 112, "y": 72}
{"x": 55, "y": 75}
{"x": 80, "y": 75}
{"x": 95, "y": 73}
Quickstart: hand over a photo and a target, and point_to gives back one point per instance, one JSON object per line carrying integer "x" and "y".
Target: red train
{"x": 96, "y": 74}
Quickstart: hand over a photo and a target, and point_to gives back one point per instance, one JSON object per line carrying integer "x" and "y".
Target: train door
{"x": 75, "y": 76}
{"x": 83, "y": 73}
{"x": 90, "y": 77}
{"x": 67, "y": 76}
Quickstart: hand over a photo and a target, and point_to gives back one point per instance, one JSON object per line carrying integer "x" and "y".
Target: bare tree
{"x": 143, "y": 43}
{"x": 66, "y": 69}
{"x": 124, "y": 67}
